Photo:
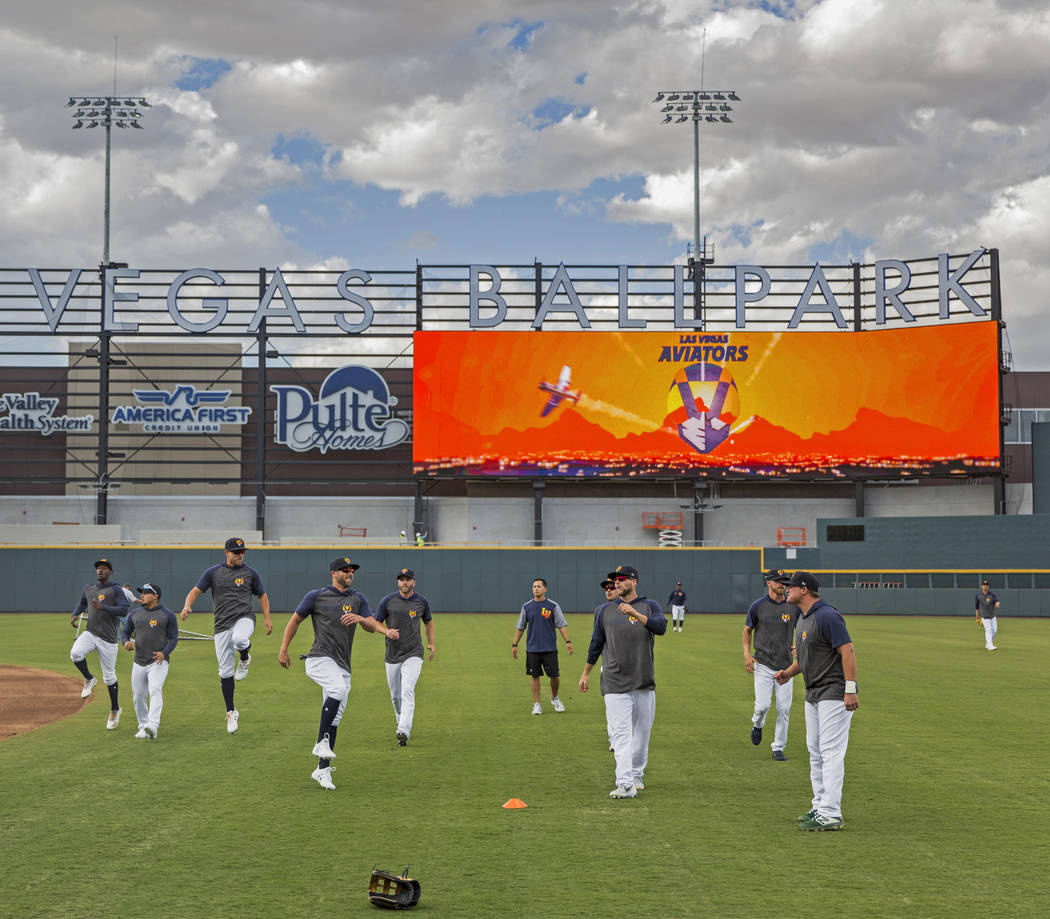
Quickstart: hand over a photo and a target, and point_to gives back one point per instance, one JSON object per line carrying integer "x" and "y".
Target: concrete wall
{"x": 490, "y": 521}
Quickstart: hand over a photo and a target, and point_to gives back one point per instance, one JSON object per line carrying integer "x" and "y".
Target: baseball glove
{"x": 393, "y": 891}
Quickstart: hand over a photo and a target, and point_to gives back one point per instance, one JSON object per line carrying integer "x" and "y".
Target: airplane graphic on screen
{"x": 559, "y": 391}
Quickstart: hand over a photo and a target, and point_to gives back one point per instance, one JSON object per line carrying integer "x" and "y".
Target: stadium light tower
{"x": 108, "y": 112}
{"x": 710, "y": 107}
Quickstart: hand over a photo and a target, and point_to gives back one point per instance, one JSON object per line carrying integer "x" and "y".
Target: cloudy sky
{"x": 348, "y": 134}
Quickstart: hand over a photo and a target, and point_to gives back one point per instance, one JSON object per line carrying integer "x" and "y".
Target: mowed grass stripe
{"x": 945, "y": 798}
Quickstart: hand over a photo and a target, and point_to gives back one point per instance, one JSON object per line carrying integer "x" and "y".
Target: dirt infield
{"x": 30, "y": 698}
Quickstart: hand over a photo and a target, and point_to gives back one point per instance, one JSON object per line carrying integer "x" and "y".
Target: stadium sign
{"x": 352, "y": 412}
{"x": 184, "y": 410}
{"x": 753, "y": 288}
{"x": 26, "y": 412}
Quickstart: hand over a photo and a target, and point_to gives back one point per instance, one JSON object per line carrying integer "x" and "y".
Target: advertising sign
{"x": 31, "y": 412}
{"x": 183, "y": 410}
{"x": 887, "y": 403}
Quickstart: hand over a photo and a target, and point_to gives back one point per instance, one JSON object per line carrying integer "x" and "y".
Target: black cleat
{"x": 779, "y": 756}
{"x": 402, "y": 739}
{"x": 756, "y": 736}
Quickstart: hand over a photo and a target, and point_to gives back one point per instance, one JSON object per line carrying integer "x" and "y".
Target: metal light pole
{"x": 710, "y": 106}
{"x": 108, "y": 112}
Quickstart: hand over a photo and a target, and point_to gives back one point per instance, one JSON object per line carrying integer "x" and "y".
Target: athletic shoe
{"x": 756, "y": 736}
{"x": 819, "y": 822}
{"x": 808, "y": 815}
{"x": 402, "y": 739}
{"x": 323, "y": 777}
{"x": 558, "y": 704}
{"x": 141, "y": 734}
{"x": 779, "y": 756}
{"x": 638, "y": 786}
{"x": 151, "y": 733}
{"x": 323, "y": 750}
{"x": 242, "y": 668}
{"x": 231, "y": 721}
{"x": 89, "y": 685}
{"x": 993, "y": 648}
{"x": 114, "y": 719}
{"x": 623, "y": 791}
{"x": 536, "y": 710}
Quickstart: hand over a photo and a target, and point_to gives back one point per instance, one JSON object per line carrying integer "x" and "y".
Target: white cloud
{"x": 918, "y": 126}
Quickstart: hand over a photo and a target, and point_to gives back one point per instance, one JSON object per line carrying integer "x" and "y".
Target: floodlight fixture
{"x": 108, "y": 112}
{"x": 698, "y": 103}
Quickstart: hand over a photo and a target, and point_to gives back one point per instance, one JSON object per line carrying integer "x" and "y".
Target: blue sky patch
{"x": 200, "y": 73}
{"x": 551, "y": 111}
{"x": 523, "y": 37}
{"x": 298, "y": 149}
{"x": 843, "y": 249}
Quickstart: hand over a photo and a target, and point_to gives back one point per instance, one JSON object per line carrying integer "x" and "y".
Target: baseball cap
{"x": 149, "y": 588}
{"x": 234, "y": 543}
{"x": 338, "y": 564}
{"x": 804, "y": 579}
{"x": 985, "y": 581}
{"x": 607, "y": 583}
{"x": 109, "y": 564}
{"x": 623, "y": 571}
{"x": 776, "y": 574}
{"x": 406, "y": 573}
{"x": 677, "y": 583}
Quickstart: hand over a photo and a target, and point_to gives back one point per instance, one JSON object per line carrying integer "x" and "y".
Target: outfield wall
{"x": 49, "y": 578}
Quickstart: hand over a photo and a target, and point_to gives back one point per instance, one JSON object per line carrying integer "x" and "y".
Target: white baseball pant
{"x": 827, "y": 736}
{"x": 107, "y": 654}
{"x": 228, "y": 643}
{"x": 401, "y": 678}
{"x": 991, "y": 626}
{"x": 765, "y": 686}
{"x": 147, "y": 692}
{"x": 629, "y": 720}
{"x": 333, "y": 680}
{"x": 677, "y": 612}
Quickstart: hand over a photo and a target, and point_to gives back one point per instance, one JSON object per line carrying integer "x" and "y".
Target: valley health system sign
{"x": 24, "y": 412}
{"x": 352, "y": 412}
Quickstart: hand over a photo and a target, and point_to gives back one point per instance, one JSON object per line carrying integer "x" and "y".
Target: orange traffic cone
{"x": 515, "y": 804}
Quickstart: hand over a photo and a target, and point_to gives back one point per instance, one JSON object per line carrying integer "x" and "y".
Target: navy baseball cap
{"x": 406, "y": 573}
{"x": 607, "y": 583}
{"x": 338, "y": 564}
{"x": 805, "y": 579}
{"x": 149, "y": 588}
{"x": 776, "y": 574}
{"x": 235, "y": 544}
{"x": 623, "y": 571}
{"x": 109, "y": 564}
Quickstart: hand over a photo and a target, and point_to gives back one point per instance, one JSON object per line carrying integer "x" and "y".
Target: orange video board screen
{"x": 886, "y": 403}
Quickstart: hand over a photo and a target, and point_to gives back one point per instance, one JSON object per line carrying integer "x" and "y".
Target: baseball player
{"x": 677, "y": 603}
{"x": 986, "y": 604}
{"x": 106, "y": 605}
{"x": 232, "y": 585}
{"x": 542, "y": 618}
{"x": 828, "y": 664}
{"x": 404, "y": 610}
{"x": 624, "y": 630}
{"x": 771, "y": 622}
{"x": 335, "y": 612}
{"x": 156, "y": 631}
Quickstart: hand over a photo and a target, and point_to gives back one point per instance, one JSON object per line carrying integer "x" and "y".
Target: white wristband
{"x": 851, "y": 687}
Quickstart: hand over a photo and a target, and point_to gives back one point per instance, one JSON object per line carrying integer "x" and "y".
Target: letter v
{"x": 52, "y": 313}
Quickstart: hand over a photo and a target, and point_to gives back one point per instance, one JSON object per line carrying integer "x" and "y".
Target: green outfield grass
{"x": 947, "y": 796}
